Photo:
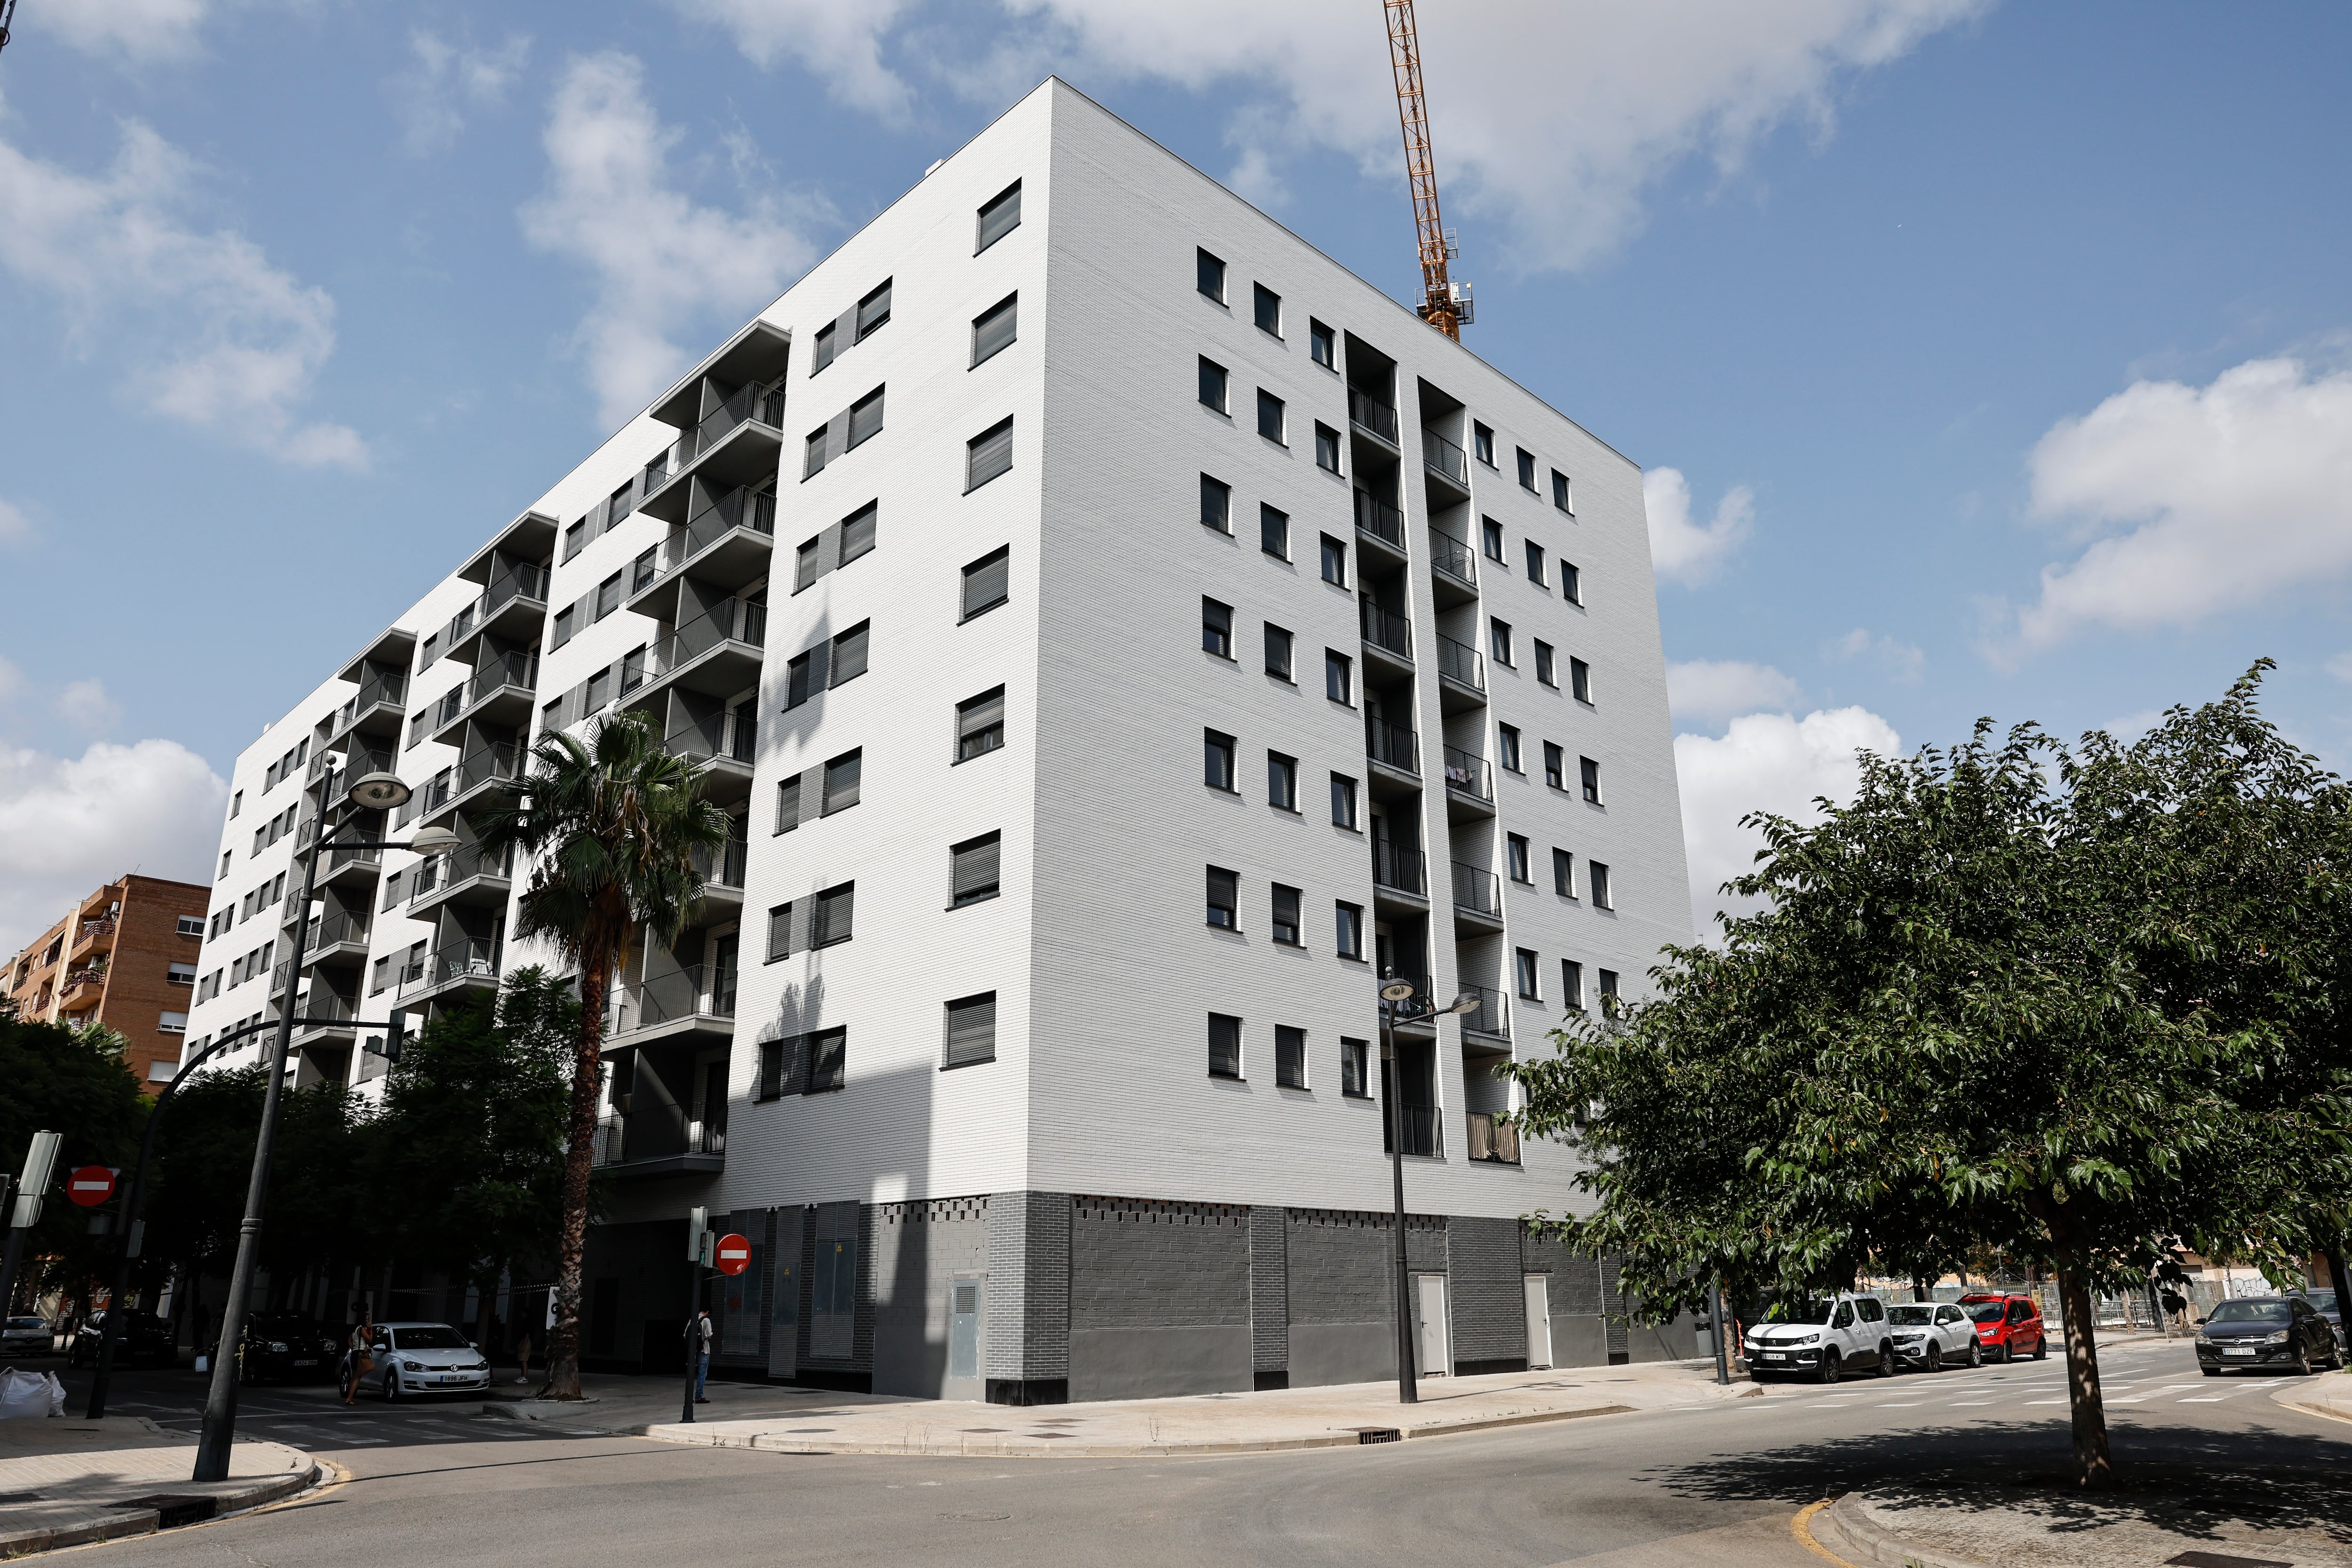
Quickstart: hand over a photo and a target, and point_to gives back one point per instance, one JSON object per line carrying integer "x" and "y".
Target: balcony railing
{"x": 1477, "y": 891}
{"x": 378, "y": 689}
{"x": 742, "y": 621}
{"x": 1453, "y": 557}
{"x": 92, "y": 930}
{"x": 360, "y": 762}
{"x": 1467, "y": 774}
{"x": 1461, "y": 662}
{"x": 518, "y": 669}
{"x": 1373, "y": 415}
{"x": 654, "y": 1134}
{"x": 320, "y": 1002}
{"x": 468, "y": 958}
{"x": 346, "y": 855}
{"x": 491, "y": 764}
{"x": 1494, "y": 1138}
{"x": 1405, "y": 870}
{"x": 1378, "y": 519}
{"x": 743, "y": 507}
{"x": 463, "y": 864}
{"x": 681, "y": 994}
{"x": 1393, "y": 745}
{"x": 724, "y": 866}
{"x": 80, "y": 978}
{"x": 657, "y": 473}
{"x": 1419, "y": 1125}
{"x": 333, "y": 931}
{"x": 753, "y": 401}
{"x": 1445, "y": 456}
{"x": 522, "y": 581}
{"x": 1385, "y": 628}
{"x": 1492, "y": 1015}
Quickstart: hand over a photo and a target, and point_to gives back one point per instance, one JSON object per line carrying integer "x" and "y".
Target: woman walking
{"x": 522, "y": 1358}
{"x": 362, "y": 1354}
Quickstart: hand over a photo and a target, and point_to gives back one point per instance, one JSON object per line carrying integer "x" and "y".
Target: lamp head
{"x": 1397, "y": 991}
{"x": 433, "y": 840}
{"x": 378, "y": 791}
{"x": 1468, "y": 1002}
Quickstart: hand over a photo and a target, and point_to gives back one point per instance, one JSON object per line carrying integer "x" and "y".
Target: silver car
{"x": 26, "y": 1336}
{"x": 1933, "y": 1335}
{"x": 424, "y": 1357}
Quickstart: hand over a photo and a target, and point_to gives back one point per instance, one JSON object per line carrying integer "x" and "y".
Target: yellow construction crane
{"x": 1444, "y": 304}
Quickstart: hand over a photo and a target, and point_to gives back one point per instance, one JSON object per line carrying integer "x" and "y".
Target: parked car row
{"x": 2277, "y": 1332}
{"x": 1827, "y": 1337}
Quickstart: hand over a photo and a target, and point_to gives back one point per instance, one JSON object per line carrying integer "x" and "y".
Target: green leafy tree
{"x": 615, "y": 826}
{"x": 73, "y": 1082}
{"x": 2069, "y": 1006}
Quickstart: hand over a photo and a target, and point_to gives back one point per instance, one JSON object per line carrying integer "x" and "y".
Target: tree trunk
{"x": 484, "y": 1316}
{"x": 2093, "y": 1465}
{"x": 1919, "y": 1291}
{"x": 587, "y": 1075}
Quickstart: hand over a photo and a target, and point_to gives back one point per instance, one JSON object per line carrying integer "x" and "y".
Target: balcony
{"x": 1493, "y": 1016}
{"x": 467, "y": 965}
{"x": 465, "y": 875}
{"x": 375, "y": 711}
{"x": 1392, "y": 746}
{"x": 500, "y": 692}
{"x": 93, "y": 936}
{"x": 349, "y": 867}
{"x": 728, "y": 545}
{"x": 1454, "y": 569}
{"x": 726, "y": 744}
{"x": 511, "y": 607}
{"x": 675, "y": 1006}
{"x": 338, "y": 938}
{"x": 1420, "y": 1125}
{"x": 357, "y": 764}
{"x": 1461, "y": 675}
{"x": 716, "y": 654}
{"x": 1400, "y": 873}
{"x": 1367, "y": 413}
{"x": 1445, "y": 460}
{"x": 1478, "y": 899}
{"x": 1467, "y": 780}
{"x": 1493, "y": 1140}
{"x": 1379, "y": 521}
{"x": 738, "y": 442}
{"x": 658, "y": 1142}
{"x": 82, "y": 987}
{"x": 1385, "y": 632}
{"x": 484, "y": 773}
{"x": 722, "y": 871}
{"x": 340, "y": 1016}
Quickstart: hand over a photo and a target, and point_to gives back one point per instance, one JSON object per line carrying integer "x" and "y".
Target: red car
{"x": 2008, "y": 1326}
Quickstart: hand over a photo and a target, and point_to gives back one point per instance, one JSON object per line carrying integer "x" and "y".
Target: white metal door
{"x": 1538, "y": 1321}
{"x": 1436, "y": 1346}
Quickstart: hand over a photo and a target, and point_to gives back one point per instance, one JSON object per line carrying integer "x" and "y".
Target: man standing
{"x": 703, "y": 1333}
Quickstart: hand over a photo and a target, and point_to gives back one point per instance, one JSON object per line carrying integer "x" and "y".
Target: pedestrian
{"x": 362, "y": 1354}
{"x": 703, "y": 1334}
{"x": 522, "y": 1358}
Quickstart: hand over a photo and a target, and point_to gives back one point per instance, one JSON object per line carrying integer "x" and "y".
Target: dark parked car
{"x": 2280, "y": 1331}
{"x": 287, "y": 1347}
{"x": 2323, "y": 1302}
{"x": 2008, "y": 1326}
{"x": 146, "y": 1341}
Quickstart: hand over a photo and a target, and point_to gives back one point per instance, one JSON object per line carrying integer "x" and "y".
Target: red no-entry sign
{"x": 732, "y": 1255}
{"x": 90, "y": 1186}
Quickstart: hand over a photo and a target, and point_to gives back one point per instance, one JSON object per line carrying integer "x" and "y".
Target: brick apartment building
{"x": 124, "y": 956}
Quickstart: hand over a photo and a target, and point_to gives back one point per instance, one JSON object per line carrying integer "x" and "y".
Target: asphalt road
{"x": 443, "y": 1487}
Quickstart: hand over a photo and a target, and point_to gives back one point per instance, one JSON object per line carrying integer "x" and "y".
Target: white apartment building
{"x": 1121, "y": 633}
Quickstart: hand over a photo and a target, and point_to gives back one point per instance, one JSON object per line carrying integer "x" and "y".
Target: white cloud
{"x": 15, "y": 528}
{"x": 661, "y": 262}
{"x": 116, "y": 253}
{"x": 1898, "y": 660}
{"x": 67, "y": 824}
{"x": 2197, "y": 501}
{"x": 84, "y": 705}
{"x": 138, "y": 32}
{"x": 1764, "y": 761}
{"x": 1687, "y": 552}
{"x": 2340, "y": 667}
{"x": 1709, "y": 688}
{"x": 447, "y": 80}
{"x": 840, "y": 44}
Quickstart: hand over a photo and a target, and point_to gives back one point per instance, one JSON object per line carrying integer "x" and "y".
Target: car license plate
{"x": 306, "y": 1363}
{"x": 2238, "y": 1350}
{"x": 1775, "y": 1355}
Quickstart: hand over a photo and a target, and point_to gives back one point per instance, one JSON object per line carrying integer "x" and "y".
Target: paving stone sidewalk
{"x": 64, "y": 1482}
{"x": 815, "y": 1422}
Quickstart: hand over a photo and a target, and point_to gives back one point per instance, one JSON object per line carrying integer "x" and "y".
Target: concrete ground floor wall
{"x": 1043, "y": 1297}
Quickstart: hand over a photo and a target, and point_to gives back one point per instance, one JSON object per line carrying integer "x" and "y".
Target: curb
{"x": 1842, "y": 1531}
{"x": 2310, "y": 1400}
{"x": 115, "y": 1524}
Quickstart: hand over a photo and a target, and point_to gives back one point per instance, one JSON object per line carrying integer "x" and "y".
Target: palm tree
{"x": 615, "y": 825}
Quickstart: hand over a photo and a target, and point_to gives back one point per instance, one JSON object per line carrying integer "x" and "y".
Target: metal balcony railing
{"x": 1493, "y": 1016}
{"x": 724, "y": 866}
{"x": 657, "y": 473}
{"x": 1467, "y": 774}
{"x": 463, "y": 864}
{"x": 743, "y": 507}
{"x": 1393, "y": 745}
{"x": 1477, "y": 891}
{"x": 468, "y": 958}
{"x": 1385, "y": 628}
{"x": 1451, "y": 556}
{"x": 517, "y": 669}
{"x": 1377, "y": 518}
{"x": 346, "y": 855}
{"x": 748, "y": 402}
{"x": 743, "y": 621}
{"x": 1443, "y": 456}
{"x": 320, "y": 1001}
{"x": 681, "y": 994}
{"x": 1420, "y": 1126}
{"x": 1461, "y": 662}
{"x": 654, "y": 1134}
{"x": 1373, "y": 415}
{"x": 522, "y": 581}
{"x": 498, "y": 761}
{"x": 332, "y": 930}
{"x": 377, "y": 690}
{"x": 1406, "y": 870}
{"x": 1494, "y": 1138}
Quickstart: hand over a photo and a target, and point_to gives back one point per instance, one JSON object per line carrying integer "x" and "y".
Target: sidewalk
{"x": 64, "y": 1482}
{"x": 809, "y": 1421}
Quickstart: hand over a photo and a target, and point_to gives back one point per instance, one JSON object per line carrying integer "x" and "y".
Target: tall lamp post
{"x": 371, "y": 792}
{"x": 1402, "y": 1003}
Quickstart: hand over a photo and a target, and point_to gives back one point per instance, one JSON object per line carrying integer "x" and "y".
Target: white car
{"x": 1822, "y": 1339}
{"x": 424, "y": 1357}
{"x": 1931, "y": 1335}
{"x": 25, "y": 1336}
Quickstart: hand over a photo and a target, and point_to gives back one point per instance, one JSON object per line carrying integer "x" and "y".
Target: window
{"x": 979, "y": 724}
{"x": 986, "y": 582}
{"x": 574, "y": 538}
{"x": 1286, "y": 916}
{"x": 800, "y": 679}
{"x": 1323, "y": 343}
{"x": 1213, "y": 385}
{"x": 1269, "y": 417}
{"x": 1491, "y": 533}
{"x": 180, "y": 975}
{"x": 1555, "y": 767}
{"x": 633, "y": 669}
{"x": 972, "y": 869}
{"x": 780, "y": 931}
{"x": 865, "y": 420}
{"x": 1355, "y": 1069}
{"x": 1349, "y": 941}
{"x": 563, "y": 619}
{"x": 1210, "y": 276}
{"x": 788, "y": 803}
{"x": 594, "y": 694}
{"x": 1507, "y": 739}
{"x": 236, "y": 805}
{"x": 823, "y": 354}
{"x": 971, "y": 1031}
{"x": 833, "y": 916}
{"x": 1563, "y": 873}
{"x": 1535, "y": 563}
{"x": 1579, "y": 679}
{"x": 1589, "y": 773}
{"x": 173, "y": 1023}
{"x": 1224, "y": 900}
{"x": 191, "y": 925}
{"x": 222, "y": 874}
{"x": 1335, "y": 560}
{"x": 1482, "y": 443}
{"x": 841, "y": 780}
{"x": 1338, "y": 677}
{"x": 1273, "y": 532}
{"x": 1278, "y": 652}
{"x": 1281, "y": 781}
{"x": 828, "y": 1060}
{"x": 1216, "y": 504}
{"x": 1527, "y": 975}
{"x": 1326, "y": 448}
{"x": 1343, "y": 801}
{"x": 1217, "y": 761}
{"x": 1217, "y": 629}
{"x": 1572, "y": 985}
{"x": 1499, "y": 642}
{"x": 1289, "y": 1057}
{"x": 849, "y": 654}
{"x": 857, "y": 532}
{"x": 1571, "y": 582}
{"x": 1527, "y": 469}
{"x": 808, "y": 562}
{"x": 772, "y": 1055}
{"x": 1000, "y": 218}
{"x": 1520, "y": 863}
{"x": 1224, "y": 1045}
{"x": 617, "y": 508}
{"x": 813, "y": 458}
{"x": 608, "y": 595}
{"x": 1599, "y": 874}
{"x": 874, "y": 313}
{"x": 1559, "y": 496}
{"x": 1609, "y": 993}
{"x": 994, "y": 329}
{"x": 1545, "y": 671}
{"x": 987, "y": 455}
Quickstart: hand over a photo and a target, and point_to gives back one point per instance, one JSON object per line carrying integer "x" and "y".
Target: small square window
{"x": 1281, "y": 781}
{"x": 1579, "y": 679}
{"x": 1289, "y": 1057}
{"x": 1529, "y": 986}
{"x": 1343, "y": 801}
{"x": 1572, "y": 985}
{"x": 1335, "y": 560}
{"x": 1323, "y": 344}
{"x": 1273, "y": 532}
{"x": 987, "y": 455}
{"x": 1598, "y": 874}
{"x": 1482, "y": 443}
{"x": 971, "y": 1031}
{"x": 1491, "y": 533}
{"x": 832, "y": 918}
{"x": 1216, "y": 504}
{"x": 1278, "y": 652}
{"x": 979, "y": 724}
{"x": 1267, "y": 307}
{"x": 1563, "y": 873}
{"x": 828, "y": 1060}
{"x": 1224, "y": 1045}
{"x": 1535, "y": 563}
{"x": 1527, "y": 469}
{"x": 1588, "y": 774}
{"x": 1507, "y": 735}
{"x": 987, "y": 582}
{"x": 1522, "y": 870}
{"x": 973, "y": 868}
{"x": 191, "y": 925}
{"x": 1349, "y": 939}
{"x": 1326, "y": 448}
{"x": 1560, "y": 496}
{"x": 1499, "y": 642}
{"x": 1555, "y": 767}
{"x": 1210, "y": 276}
{"x": 1546, "y": 671}
{"x": 1217, "y": 629}
{"x": 1213, "y": 385}
{"x": 1355, "y": 1069}
{"x": 1270, "y": 416}
{"x": 1000, "y": 218}
{"x": 1286, "y": 916}
{"x": 995, "y": 329}
{"x": 1224, "y": 900}
{"x": 1217, "y": 750}
{"x": 1338, "y": 677}
{"x": 1571, "y": 582}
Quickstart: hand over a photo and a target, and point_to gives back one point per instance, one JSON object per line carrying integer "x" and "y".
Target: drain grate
{"x": 1378, "y": 1435}
{"x": 2223, "y": 1560}
{"x": 173, "y": 1509}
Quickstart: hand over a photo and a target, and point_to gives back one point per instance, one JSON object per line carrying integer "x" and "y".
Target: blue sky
{"x": 1985, "y": 359}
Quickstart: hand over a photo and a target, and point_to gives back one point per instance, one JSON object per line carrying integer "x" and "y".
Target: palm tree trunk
{"x": 587, "y": 1075}
{"x": 2093, "y": 1465}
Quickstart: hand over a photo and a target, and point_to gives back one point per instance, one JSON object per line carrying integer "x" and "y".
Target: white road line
{"x": 2215, "y": 1400}
{"x": 2047, "y": 1402}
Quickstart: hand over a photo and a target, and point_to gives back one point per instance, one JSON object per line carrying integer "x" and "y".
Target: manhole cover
{"x": 978, "y": 1517}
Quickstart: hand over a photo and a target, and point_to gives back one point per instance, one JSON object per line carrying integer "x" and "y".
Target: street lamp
{"x": 369, "y": 792}
{"x": 1400, "y": 1004}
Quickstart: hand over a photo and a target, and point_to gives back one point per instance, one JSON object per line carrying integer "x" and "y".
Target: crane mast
{"x": 1444, "y": 304}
